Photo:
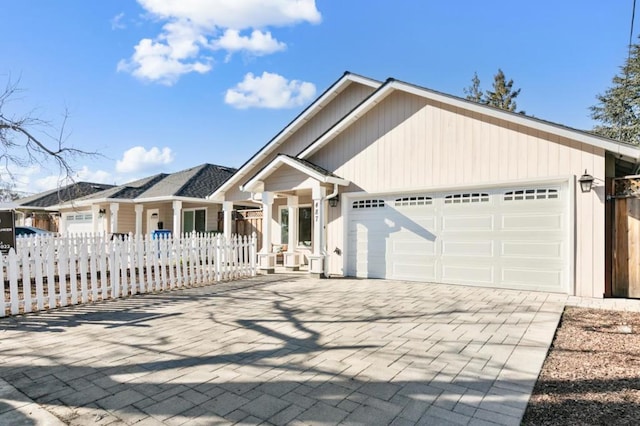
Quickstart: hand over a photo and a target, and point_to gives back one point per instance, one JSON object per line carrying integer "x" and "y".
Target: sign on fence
{"x": 7, "y": 231}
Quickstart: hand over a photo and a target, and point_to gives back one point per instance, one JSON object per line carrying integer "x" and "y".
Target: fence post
{"x": 51, "y": 276}
{"x": 38, "y": 264}
{"x": 62, "y": 256}
{"x": 26, "y": 279}
{"x": 73, "y": 273}
{"x": 254, "y": 243}
{"x": 3, "y": 301}
{"x": 84, "y": 291}
{"x": 13, "y": 282}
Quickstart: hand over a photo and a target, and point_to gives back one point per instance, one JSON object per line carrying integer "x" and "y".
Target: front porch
{"x": 294, "y": 196}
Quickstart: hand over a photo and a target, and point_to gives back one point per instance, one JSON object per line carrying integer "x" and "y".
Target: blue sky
{"x": 163, "y": 85}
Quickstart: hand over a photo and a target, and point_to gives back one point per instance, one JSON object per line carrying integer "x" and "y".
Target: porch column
{"x": 266, "y": 258}
{"x": 227, "y": 209}
{"x": 113, "y": 210}
{"x": 291, "y": 258}
{"x": 139, "y": 210}
{"x": 316, "y": 260}
{"x": 95, "y": 218}
{"x": 62, "y": 225}
{"x": 177, "y": 218}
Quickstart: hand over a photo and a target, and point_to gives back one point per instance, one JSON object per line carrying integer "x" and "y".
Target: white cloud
{"x": 116, "y": 22}
{"x": 193, "y": 29}
{"x": 259, "y": 43}
{"x": 269, "y": 91}
{"x": 164, "y": 61}
{"x": 97, "y": 176}
{"x": 138, "y": 159}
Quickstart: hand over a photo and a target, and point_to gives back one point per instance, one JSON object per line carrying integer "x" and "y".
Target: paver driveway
{"x": 282, "y": 349}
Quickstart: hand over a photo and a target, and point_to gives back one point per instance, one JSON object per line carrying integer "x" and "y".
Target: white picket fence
{"x": 55, "y": 271}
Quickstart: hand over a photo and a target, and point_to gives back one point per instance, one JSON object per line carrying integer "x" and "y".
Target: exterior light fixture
{"x": 102, "y": 212}
{"x": 586, "y": 181}
{"x": 333, "y": 202}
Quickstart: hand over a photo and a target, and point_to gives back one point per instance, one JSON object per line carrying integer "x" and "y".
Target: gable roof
{"x": 303, "y": 166}
{"x": 64, "y": 194}
{"x": 314, "y": 108}
{"x": 193, "y": 183}
{"x": 622, "y": 149}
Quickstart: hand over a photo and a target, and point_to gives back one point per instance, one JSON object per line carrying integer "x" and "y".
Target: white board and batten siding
{"x": 411, "y": 144}
{"x": 516, "y": 237}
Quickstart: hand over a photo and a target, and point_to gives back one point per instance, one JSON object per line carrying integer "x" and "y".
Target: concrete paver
{"x": 282, "y": 349}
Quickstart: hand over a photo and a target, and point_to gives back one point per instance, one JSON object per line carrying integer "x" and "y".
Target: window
{"x": 367, "y": 204}
{"x": 419, "y": 200}
{"x": 304, "y": 226}
{"x": 531, "y": 194}
{"x": 194, "y": 220}
{"x": 79, "y": 217}
{"x": 471, "y": 197}
{"x": 284, "y": 226}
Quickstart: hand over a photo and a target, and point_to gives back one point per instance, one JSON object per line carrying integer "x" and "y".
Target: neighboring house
{"x": 38, "y": 210}
{"x": 176, "y": 202}
{"x": 431, "y": 187}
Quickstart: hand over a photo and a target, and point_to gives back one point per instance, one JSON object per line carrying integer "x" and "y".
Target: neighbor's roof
{"x": 61, "y": 195}
{"x": 196, "y": 182}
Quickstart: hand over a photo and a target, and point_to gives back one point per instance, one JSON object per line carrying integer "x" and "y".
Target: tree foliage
{"x": 618, "y": 109}
{"x": 502, "y": 96}
{"x": 474, "y": 93}
{"x": 26, "y": 140}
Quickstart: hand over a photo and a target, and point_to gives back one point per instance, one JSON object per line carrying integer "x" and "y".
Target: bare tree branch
{"x": 21, "y": 144}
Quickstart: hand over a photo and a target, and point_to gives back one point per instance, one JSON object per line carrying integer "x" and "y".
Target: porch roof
{"x": 304, "y": 166}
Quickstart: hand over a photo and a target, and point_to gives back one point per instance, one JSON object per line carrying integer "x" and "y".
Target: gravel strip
{"x": 592, "y": 372}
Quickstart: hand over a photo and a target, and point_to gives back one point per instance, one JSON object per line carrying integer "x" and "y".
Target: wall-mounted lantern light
{"x": 102, "y": 212}
{"x": 333, "y": 202}
{"x": 586, "y": 181}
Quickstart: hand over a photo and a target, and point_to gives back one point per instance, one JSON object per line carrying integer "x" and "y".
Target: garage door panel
{"x": 533, "y": 277}
{"x": 531, "y": 221}
{"x": 528, "y": 249}
{"x": 467, "y": 223}
{"x": 456, "y": 274}
{"x": 467, "y": 248}
{"x": 414, "y": 270}
{"x": 408, "y": 247}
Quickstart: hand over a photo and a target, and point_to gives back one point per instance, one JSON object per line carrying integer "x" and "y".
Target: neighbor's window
{"x": 194, "y": 220}
{"x": 304, "y": 226}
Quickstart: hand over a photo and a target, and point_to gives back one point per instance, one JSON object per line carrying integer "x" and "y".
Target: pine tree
{"x": 474, "y": 93}
{"x": 618, "y": 110}
{"x": 502, "y": 96}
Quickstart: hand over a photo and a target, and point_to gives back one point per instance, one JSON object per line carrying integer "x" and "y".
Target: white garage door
{"x": 79, "y": 223}
{"x": 509, "y": 237}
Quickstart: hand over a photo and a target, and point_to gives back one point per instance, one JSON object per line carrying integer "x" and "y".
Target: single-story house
{"x": 391, "y": 180}
{"x": 38, "y": 209}
{"x": 176, "y": 202}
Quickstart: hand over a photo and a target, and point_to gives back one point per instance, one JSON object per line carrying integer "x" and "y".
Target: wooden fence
{"x": 56, "y": 271}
